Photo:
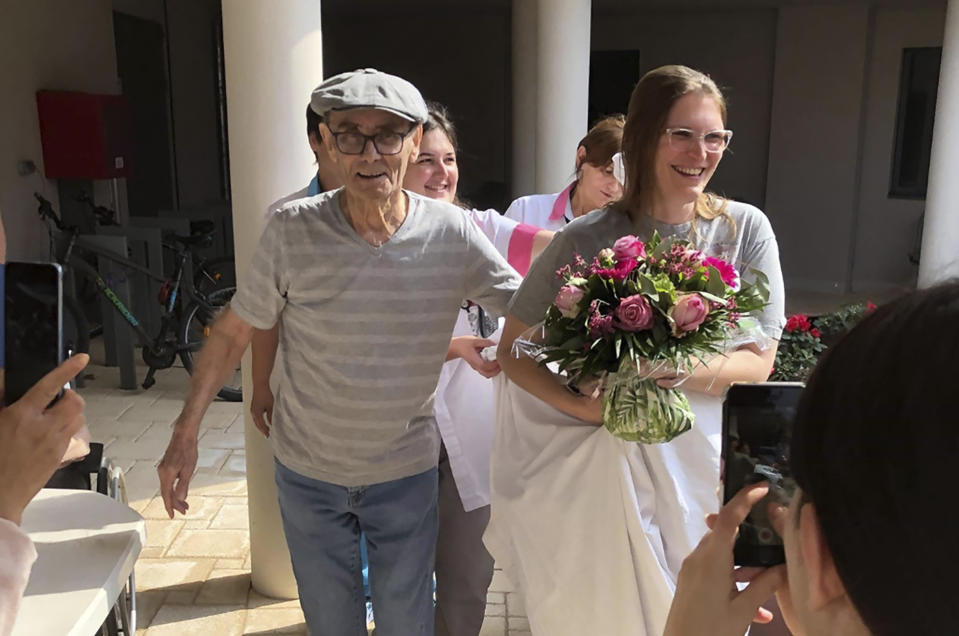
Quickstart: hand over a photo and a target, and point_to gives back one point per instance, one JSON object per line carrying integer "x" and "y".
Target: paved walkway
{"x": 193, "y": 576}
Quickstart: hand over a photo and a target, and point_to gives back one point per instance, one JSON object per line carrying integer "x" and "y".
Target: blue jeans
{"x": 322, "y": 523}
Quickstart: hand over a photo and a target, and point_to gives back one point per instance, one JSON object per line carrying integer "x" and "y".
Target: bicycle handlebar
{"x": 46, "y": 211}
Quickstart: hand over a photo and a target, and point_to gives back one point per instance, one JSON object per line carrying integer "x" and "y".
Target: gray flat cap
{"x": 369, "y": 88}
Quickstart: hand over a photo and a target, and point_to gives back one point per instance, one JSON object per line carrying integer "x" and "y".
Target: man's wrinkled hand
{"x": 175, "y": 471}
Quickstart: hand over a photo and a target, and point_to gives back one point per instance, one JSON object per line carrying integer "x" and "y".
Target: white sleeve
{"x": 517, "y": 210}
{"x": 497, "y": 228}
{"x": 17, "y": 555}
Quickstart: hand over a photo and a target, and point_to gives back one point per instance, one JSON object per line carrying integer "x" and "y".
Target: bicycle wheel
{"x": 197, "y": 322}
{"x": 215, "y": 273}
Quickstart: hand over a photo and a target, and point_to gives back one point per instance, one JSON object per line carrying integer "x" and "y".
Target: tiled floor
{"x": 193, "y": 576}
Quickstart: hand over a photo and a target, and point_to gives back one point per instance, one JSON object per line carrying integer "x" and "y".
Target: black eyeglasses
{"x": 385, "y": 142}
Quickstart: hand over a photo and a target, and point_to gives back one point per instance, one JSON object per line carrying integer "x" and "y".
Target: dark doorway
{"x": 918, "y": 88}
{"x": 141, "y": 65}
{"x": 612, "y": 77}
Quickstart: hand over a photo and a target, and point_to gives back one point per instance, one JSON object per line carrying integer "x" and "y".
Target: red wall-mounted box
{"x": 84, "y": 136}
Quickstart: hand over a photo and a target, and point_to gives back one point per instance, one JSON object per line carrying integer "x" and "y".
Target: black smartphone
{"x": 757, "y": 431}
{"x": 33, "y": 325}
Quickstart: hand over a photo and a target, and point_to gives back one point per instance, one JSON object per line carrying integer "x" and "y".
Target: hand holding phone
{"x": 757, "y": 431}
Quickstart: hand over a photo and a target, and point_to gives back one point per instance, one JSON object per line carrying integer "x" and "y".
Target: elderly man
{"x": 366, "y": 283}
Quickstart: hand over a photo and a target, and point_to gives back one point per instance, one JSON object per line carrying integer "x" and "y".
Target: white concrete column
{"x": 524, "y": 97}
{"x": 940, "y": 234}
{"x": 274, "y": 59}
{"x": 562, "y": 86}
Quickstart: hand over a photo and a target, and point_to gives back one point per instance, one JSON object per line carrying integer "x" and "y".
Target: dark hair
{"x": 875, "y": 446}
{"x": 313, "y": 122}
{"x": 438, "y": 118}
{"x": 649, "y": 107}
{"x": 602, "y": 141}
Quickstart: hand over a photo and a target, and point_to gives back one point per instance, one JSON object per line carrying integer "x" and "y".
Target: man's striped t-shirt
{"x": 364, "y": 332}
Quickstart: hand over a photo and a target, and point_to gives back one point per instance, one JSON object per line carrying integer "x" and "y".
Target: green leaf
{"x": 712, "y": 298}
{"x": 648, "y": 287}
{"x": 715, "y": 284}
{"x": 664, "y": 247}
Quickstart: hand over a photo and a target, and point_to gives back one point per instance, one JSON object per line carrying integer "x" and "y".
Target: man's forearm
{"x": 265, "y": 344}
{"x": 217, "y": 361}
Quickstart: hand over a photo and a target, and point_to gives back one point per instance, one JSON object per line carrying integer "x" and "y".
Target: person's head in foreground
{"x": 870, "y": 536}
{"x": 596, "y": 185}
{"x": 435, "y": 173}
{"x": 372, "y": 125}
{"x": 673, "y": 140}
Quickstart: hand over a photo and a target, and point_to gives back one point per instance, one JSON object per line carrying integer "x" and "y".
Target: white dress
{"x": 645, "y": 512}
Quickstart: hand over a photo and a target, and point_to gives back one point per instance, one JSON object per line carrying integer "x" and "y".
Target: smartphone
{"x": 33, "y": 325}
{"x": 757, "y": 431}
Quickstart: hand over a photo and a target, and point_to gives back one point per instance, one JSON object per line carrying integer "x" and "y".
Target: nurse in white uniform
{"x": 464, "y": 398}
{"x": 594, "y": 187}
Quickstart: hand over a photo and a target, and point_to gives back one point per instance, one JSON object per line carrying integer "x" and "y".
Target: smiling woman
{"x": 622, "y": 539}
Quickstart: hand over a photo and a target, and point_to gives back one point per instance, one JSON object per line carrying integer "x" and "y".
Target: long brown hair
{"x": 602, "y": 141}
{"x": 649, "y": 108}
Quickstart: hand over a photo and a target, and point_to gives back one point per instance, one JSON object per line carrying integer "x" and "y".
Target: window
{"x": 918, "y": 84}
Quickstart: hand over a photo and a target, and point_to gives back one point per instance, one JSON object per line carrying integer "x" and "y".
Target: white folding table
{"x": 87, "y": 545}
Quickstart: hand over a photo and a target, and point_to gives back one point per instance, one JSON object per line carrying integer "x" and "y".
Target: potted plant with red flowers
{"x": 805, "y": 339}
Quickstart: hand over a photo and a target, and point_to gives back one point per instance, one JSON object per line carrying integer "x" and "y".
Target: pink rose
{"x": 634, "y": 313}
{"x": 568, "y": 299}
{"x": 688, "y": 313}
{"x": 628, "y": 247}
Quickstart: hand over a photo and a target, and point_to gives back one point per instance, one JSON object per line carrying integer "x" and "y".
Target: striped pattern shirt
{"x": 364, "y": 332}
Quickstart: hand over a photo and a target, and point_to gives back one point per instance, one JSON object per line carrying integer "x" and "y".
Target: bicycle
{"x": 208, "y": 273}
{"x": 188, "y": 313}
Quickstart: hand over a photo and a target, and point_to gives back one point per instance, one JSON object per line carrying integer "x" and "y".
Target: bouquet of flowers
{"x": 637, "y": 310}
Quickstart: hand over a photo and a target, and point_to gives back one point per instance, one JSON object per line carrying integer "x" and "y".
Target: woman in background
{"x": 595, "y": 186}
{"x": 464, "y": 397}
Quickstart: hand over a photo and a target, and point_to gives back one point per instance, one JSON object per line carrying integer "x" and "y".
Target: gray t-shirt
{"x": 364, "y": 331}
{"x": 751, "y": 243}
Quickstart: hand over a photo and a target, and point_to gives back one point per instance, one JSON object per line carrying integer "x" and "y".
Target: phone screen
{"x": 757, "y": 431}
{"x": 32, "y": 325}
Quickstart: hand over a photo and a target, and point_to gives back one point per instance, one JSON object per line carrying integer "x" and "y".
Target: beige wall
{"x": 885, "y": 227}
{"x": 44, "y": 44}
{"x": 814, "y": 142}
{"x": 736, "y": 48}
